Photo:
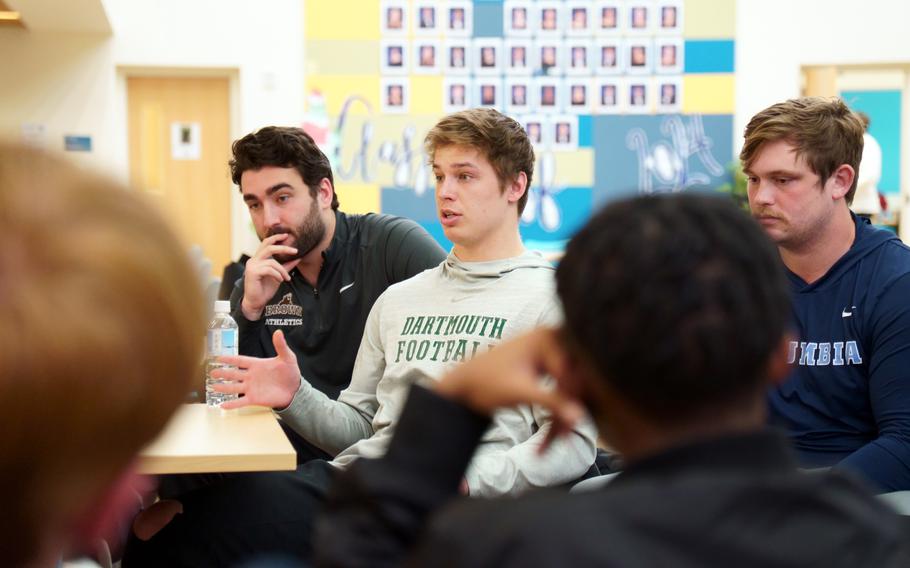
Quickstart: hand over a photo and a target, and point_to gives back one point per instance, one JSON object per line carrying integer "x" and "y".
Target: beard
{"x": 308, "y": 234}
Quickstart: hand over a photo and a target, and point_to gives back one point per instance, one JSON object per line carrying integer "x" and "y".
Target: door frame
{"x": 239, "y": 217}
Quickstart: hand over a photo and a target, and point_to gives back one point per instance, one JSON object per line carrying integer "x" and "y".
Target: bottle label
{"x": 222, "y": 342}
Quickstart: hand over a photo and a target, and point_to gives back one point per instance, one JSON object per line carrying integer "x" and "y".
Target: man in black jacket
{"x": 314, "y": 279}
{"x": 318, "y": 271}
{"x": 676, "y": 309}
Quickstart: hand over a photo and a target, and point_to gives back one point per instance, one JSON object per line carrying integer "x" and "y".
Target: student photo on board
{"x": 393, "y": 16}
{"x": 579, "y": 16}
{"x": 459, "y": 18}
{"x": 669, "y": 91}
{"x": 548, "y": 58}
{"x": 608, "y": 57}
{"x": 563, "y": 133}
{"x": 394, "y": 93}
{"x": 457, "y": 58}
{"x": 548, "y": 17}
{"x": 517, "y": 96}
{"x": 488, "y": 93}
{"x": 548, "y": 96}
{"x": 608, "y": 20}
{"x": 670, "y": 17}
{"x": 426, "y": 15}
{"x": 426, "y": 58}
{"x": 456, "y": 94}
{"x": 606, "y": 95}
{"x": 578, "y": 97}
{"x": 534, "y": 127}
{"x": 564, "y": 130}
{"x": 638, "y": 17}
{"x": 669, "y": 55}
{"x": 638, "y": 97}
{"x": 393, "y": 57}
{"x": 638, "y": 56}
{"x": 578, "y": 59}
{"x": 487, "y": 56}
{"x": 516, "y": 16}
{"x": 518, "y": 55}
{"x": 456, "y": 18}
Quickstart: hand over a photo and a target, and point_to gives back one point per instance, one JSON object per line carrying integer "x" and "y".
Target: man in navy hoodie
{"x": 847, "y": 401}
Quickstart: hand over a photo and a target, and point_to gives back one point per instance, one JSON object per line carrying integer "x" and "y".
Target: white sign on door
{"x": 186, "y": 141}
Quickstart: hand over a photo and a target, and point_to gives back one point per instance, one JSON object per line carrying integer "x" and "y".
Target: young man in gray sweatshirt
{"x": 488, "y": 289}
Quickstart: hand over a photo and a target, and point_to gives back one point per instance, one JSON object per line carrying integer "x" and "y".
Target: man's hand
{"x": 263, "y": 274}
{"x": 263, "y": 382}
{"x": 510, "y": 375}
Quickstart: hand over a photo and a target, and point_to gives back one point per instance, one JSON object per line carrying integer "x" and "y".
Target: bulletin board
{"x": 619, "y": 97}
{"x": 884, "y": 110}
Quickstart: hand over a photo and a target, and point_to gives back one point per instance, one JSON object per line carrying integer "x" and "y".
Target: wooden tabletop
{"x": 199, "y": 439}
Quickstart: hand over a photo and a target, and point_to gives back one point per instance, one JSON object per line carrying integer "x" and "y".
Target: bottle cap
{"x": 222, "y": 307}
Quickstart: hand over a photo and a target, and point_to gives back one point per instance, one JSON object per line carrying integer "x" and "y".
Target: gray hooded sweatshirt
{"x": 418, "y": 329}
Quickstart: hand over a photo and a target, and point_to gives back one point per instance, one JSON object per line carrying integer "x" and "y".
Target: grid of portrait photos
{"x": 557, "y": 59}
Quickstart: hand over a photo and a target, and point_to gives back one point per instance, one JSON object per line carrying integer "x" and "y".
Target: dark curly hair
{"x": 283, "y": 147}
{"x": 678, "y": 301}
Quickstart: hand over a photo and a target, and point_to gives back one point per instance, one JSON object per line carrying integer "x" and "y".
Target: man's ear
{"x": 517, "y": 187}
{"x": 779, "y": 362}
{"x": 324, "y": 193}
{"x": 841, "y": 181}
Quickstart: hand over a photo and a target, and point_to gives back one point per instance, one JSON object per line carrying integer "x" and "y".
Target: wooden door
{"x": 179, "y": 138}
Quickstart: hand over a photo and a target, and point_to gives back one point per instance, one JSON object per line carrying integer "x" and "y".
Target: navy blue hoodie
{"x": 847, "y": 401}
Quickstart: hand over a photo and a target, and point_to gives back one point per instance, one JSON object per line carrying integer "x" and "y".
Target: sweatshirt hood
{"x": 473, "y": 272}
{"x": 867, "y": 240}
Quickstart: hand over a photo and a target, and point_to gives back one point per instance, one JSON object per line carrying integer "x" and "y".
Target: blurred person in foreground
{"x": 99, "y": 343}
{"x": 676, "y": 310}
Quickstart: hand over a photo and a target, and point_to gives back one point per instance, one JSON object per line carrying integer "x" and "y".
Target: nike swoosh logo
{"x": 343, "y": 288}
{"x": 846, "y": 314}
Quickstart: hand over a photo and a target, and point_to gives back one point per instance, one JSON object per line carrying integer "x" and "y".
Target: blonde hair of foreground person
{"x": 100, "y": 326}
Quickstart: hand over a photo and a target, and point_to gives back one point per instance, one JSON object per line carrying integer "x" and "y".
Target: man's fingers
{"x": 565, "y": 413}
{"x": 291, "y": 264}
{"x": 550, "y": 355}
{"x": 229, "y": 373}
{"x": 273, "y": 250}
{"x": 269, "y": 269}
{"x": 272, "y": 239}
{"x": 239, "y": 361}
{"x": 281, "y": 347}
{"x": 229, "y": 388}
{"x": 237, "y": 403}
{"x": 282, "y": 271}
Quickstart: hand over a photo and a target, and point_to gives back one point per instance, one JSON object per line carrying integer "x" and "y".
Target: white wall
{"x": 774, "y": 38}
{"x": 63, "y": 81}
{"x": 74, "y": 83}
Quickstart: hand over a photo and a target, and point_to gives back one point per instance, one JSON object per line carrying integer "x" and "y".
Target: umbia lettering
{"x": 822, "y": 354}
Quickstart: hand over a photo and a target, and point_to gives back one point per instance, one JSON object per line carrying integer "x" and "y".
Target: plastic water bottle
{"x": 221, "y": 339}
